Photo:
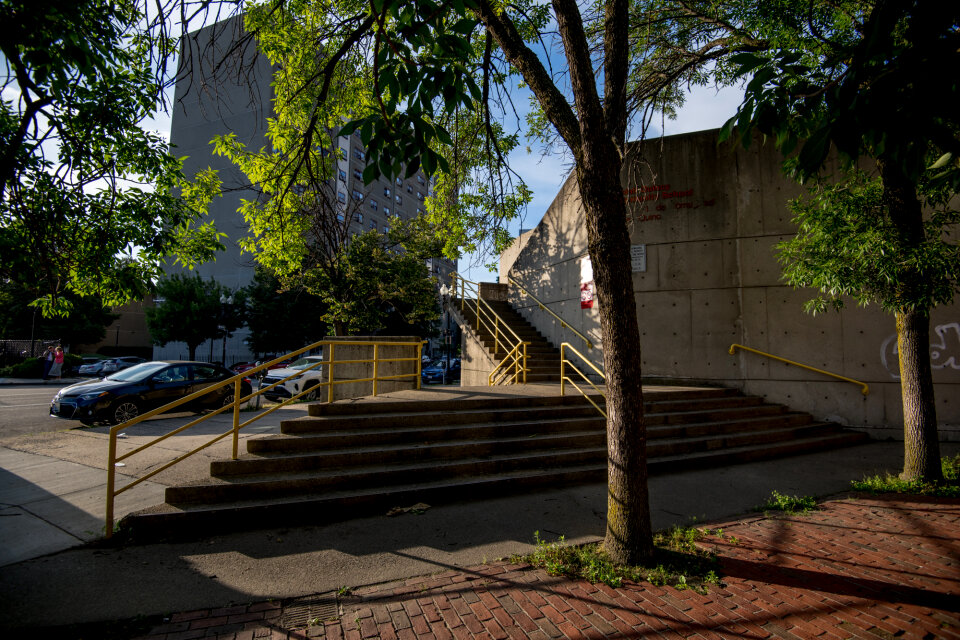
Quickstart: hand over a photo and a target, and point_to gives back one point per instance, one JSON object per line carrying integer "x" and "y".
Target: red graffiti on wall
{"x": 657, "y": 193}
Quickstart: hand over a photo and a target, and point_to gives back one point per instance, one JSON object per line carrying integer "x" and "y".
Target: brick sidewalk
{"x": 868, "y": 567}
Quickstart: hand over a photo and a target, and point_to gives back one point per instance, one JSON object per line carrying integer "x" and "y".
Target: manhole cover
{"x": 302, "y": 611}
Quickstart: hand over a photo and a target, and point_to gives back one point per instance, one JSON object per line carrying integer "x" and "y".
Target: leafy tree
{"x": 373, "y": 283}
{"x": 82, "y": 182}
{"x": 282, "y": 320}
{"x": 862, "y": 78}
{"x": 431, "y": 64}
{"x": 876, "y": 94}
{"x": 193, "y": 310}
{"x": 86, "y": 323}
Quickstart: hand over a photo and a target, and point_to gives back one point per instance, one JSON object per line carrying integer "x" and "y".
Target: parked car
{"x": 119, "y": 364}
{"x": 434, "y": 372}
{"x": 304, "y": 378}
{"x": 92, "y": 367}
{"x": 126, "y": 394}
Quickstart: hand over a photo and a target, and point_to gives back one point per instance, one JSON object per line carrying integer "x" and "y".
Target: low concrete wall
{"x": 360, "y": 370}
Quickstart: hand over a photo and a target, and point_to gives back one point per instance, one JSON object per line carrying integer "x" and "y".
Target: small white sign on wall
{"x": 638, "y": 257}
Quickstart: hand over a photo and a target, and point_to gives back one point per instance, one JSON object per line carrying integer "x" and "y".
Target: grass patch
{"x": 789, "y": 505}
{"x": 949, "y": 488}
{"x": 677, "y": 561}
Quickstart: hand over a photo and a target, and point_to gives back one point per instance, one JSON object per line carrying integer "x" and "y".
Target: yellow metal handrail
{"x": 583, "y": 377}
{"x": 490, "y": 320}
{"x": 113, "y": 459}
{"x": 517, "y": 359}
{"x": 543, "y": 307}
{"x": 865, "y": 389}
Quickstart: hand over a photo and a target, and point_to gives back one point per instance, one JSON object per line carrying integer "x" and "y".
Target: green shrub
{"x": 949, "y": 488}
{"x": 677, "y": 561}
{"x": 790, "y": 505}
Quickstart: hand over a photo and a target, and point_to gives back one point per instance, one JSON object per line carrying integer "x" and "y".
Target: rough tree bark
{"x": 595, "y": 134}
{"x": 921, "y": 458}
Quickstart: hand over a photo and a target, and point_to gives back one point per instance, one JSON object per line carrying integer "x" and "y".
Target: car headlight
{"x": 87, "y": 397}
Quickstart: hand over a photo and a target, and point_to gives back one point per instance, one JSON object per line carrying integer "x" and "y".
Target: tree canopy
{"x": 192, "y": 310}
{"x": 88, "y": 195}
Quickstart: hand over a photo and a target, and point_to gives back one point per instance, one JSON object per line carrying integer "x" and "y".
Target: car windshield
{"x": 137, "y": 372}
{"x": 303, "y": 363}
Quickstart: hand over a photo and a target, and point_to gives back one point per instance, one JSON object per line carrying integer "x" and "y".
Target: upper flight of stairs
{"x": 543, "y": 359}
{"x": 350, "y": 459}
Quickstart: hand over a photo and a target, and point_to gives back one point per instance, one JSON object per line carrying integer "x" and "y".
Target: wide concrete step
{"x": 173, "y": 521}
{"x": 404, "y": 453}
{"x": 265, "y": 485}
{"x": 379, "y": 434}
{"x": 410, "y": 421}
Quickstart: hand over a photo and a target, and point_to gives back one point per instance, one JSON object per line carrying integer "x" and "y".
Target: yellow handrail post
{"x": 376, "y": 362}
{"x": 419, "y": 363}
{"x": 525, "y": 362}
{"x": 111, "y": 481}
{"x": 330, "y": 385}
{"x": 237, "y": 390}
{"x": 563, "y": 369}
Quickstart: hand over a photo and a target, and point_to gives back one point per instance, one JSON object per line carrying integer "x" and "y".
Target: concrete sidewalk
{"x": 91, "y": 583}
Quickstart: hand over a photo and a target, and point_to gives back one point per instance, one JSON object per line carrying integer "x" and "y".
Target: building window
{"x": 400, "y": 214}
{"x": 340, "y": 217}
{"x": 399, "y": 200}
{"x": 373, "y": 225}
{"x": 343, "y": 175}
{"x": 341, "y": 197}
{"x": 358, "y": 154}
{"x": 420, "y": 179}
{"x": 386, "y": 229}
{"x": 399, "y": 182}
{"x": 409, "y": 189}
{"x": 357, "y": 195}
{"x": 386, "y": 192}
{"x": 373, "y": 205}
{"x": 358, "y": 174}
{"x": 386, "y": 211}
{"x": 420, "y": 210}
{"x": 358, "y": 217}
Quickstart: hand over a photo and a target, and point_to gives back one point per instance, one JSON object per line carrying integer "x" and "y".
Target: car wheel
{"x": 311, "y": 395}
{"x": 124, "y": 410}
{"x": 227, "y": 400}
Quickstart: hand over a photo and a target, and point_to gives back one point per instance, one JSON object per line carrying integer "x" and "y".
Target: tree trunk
{"x": 594, "y": 132}
{"x": 921, "y": 446}
{"x": 192, "y": 348}
{"x": 921, "y": 443}
{"x": 629, "y": 537}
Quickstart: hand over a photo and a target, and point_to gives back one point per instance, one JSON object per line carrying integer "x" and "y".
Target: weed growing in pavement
{"x": 677, "y": 561}
{"x": 344, "y": 591}
{"x": 790, "y": 505}
{"x": 949, "y": 488}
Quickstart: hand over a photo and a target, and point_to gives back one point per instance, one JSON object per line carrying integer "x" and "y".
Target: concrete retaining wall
{"x": 710, "y": 218}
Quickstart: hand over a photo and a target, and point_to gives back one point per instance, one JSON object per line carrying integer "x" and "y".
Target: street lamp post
{"x": 225, "y": 302}
{"x": 445, "y": 293}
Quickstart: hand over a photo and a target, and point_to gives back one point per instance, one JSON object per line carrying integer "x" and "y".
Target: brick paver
{"x": 864, "y": 567}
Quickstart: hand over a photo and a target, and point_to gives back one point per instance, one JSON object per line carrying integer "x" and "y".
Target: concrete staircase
{"x": 350, "y": 459}
{"x": 543, "y": 359}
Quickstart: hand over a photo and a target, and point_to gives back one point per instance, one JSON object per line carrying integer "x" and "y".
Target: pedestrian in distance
{"x": 57, "y": 366}
{"x": 48, "y": 357}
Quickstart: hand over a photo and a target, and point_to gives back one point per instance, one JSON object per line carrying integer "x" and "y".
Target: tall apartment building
{"x": 227, "y": 90}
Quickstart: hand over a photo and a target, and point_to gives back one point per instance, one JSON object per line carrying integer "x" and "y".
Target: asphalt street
{"x": 25, "y": 409}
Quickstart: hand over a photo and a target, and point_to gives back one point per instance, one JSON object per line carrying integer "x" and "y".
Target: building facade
{"x": 227, "y": 90}
{"x": 705, "y": 220}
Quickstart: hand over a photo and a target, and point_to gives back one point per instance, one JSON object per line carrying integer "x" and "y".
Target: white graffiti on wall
{"x": 944, "y": 349}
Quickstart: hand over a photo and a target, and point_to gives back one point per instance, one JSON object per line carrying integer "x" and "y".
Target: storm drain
{"x": 302, "y": 611}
